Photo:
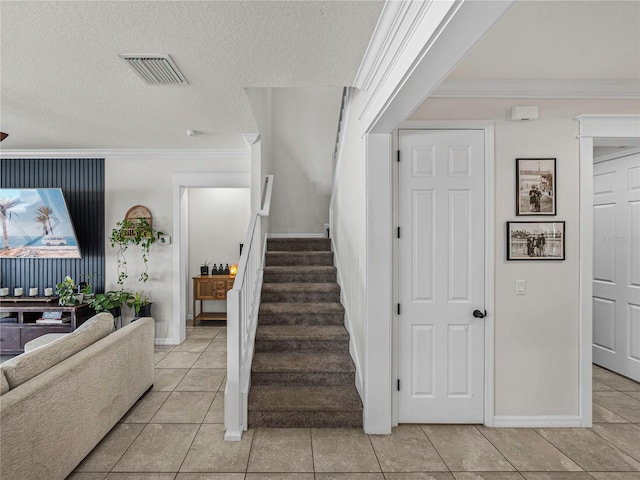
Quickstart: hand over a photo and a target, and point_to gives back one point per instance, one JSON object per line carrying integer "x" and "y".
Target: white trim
{"x": 616, "y": 155}
{"x": 181, "y": 182}
{"x": 145, "y": 154}
{"x": 353, "y": 348}
{"x": 489, "y": 258}
{"x": 250, "y": 139}
{"x": 378, "y": 44}
{"x": 624, "y": 89}
{"x": 613, "y": 126}
{"x": 377, "y": 347}
{"x": 426, "y": 43}
{"x": 537, "y": 421}
{"x": 590, "y": 126}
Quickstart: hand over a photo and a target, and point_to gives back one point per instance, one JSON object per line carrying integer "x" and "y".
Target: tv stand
{"x": 20, "y": 327}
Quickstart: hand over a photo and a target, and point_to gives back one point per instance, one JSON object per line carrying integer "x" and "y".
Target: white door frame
{"x": 181, "y": 182}
{"x": 489, "y": 257}
{"x": 590, "y": 127}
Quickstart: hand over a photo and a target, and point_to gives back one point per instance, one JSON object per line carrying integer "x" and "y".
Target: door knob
{"x": 479, "y": 314}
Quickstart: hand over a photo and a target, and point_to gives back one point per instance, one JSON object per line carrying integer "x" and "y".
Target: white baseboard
{"x": 537, "y": 421}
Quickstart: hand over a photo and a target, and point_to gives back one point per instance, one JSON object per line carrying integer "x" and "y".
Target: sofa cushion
{"x": 26, "y": 366}
{"x": 4, "y": 385}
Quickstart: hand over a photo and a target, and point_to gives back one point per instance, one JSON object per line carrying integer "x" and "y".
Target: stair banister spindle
{"x": 242, "y": 310}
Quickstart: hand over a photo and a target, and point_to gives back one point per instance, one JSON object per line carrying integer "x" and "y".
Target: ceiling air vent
{"x": 155, "y": 69}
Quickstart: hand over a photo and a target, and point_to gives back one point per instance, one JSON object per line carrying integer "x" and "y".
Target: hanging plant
{"x": 136, "y": 232}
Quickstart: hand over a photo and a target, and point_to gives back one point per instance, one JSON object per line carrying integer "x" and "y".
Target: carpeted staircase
{"x": 302, "y": 374}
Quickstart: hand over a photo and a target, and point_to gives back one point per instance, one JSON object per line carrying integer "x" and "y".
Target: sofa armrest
{"x": 51, "y": 422}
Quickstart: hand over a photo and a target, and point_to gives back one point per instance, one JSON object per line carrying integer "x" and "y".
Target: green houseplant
{"x": 126, "y": 233}
{"x": 110, "y": 301}
{"x": 141, "y": 304}
{"x": 66, "y": 291}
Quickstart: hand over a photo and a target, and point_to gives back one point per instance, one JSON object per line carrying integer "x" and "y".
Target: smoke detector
{"x": 155, "y": 69}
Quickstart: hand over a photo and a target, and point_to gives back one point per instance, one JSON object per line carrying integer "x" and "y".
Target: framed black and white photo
{"x": 535, "y": 240}
{"x": 535, "y": 186}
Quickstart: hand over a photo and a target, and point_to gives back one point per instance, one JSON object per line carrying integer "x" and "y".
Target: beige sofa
{"x": 59, "y": 400}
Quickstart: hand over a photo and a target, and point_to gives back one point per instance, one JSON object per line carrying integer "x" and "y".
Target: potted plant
{"x": 204, "y": 268}
{"x": 110, "y": 301}
{"x": 141, "y": 304}
{"x": 66, "y": 291}
{"x": 127, "y": 232}
{"x": 86, "y": 287}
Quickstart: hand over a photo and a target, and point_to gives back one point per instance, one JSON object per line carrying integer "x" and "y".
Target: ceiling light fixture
{"x": 194, "y": 133}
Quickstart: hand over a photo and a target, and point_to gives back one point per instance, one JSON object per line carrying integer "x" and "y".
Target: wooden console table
{"x": 210, "y": 287}
{"x": 24, "y": 328}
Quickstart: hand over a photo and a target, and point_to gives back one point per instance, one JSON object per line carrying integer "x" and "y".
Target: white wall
{"x": 146, "y": 178}
{"x": 536, "y": 335}
{"x": 348, "y": 229}
{"x": 218, "y": 221}
{"x": 297, "y": 137}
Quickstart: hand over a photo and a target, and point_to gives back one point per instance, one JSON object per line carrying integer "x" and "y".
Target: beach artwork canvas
{"x": 36, "y": 224}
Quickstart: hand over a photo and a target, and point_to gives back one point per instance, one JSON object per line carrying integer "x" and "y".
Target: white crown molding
{"x": 538, "y": 89}
{"x": 415, "y": 46}
{"x": 386, "y": 29}
{"x": 146, "y": 154}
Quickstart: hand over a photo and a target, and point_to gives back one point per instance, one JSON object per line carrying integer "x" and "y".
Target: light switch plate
{"x": 521, "y": 287}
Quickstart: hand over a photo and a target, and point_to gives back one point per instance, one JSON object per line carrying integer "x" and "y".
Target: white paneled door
{"x": 616, "y": 265}
{"x": 441, "y": 276}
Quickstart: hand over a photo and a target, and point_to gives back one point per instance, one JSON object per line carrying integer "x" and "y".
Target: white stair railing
{"x": 243, "y": 302}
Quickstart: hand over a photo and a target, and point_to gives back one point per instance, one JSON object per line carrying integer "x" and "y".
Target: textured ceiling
{"x": 64, "y": 87}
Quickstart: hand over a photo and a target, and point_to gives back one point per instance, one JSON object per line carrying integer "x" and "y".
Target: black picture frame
{"x": 536, "y": 186}
{"x": 536, "y": 241}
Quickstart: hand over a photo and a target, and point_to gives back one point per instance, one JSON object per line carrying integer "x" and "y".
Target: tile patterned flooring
{"x": 176, "y": 433}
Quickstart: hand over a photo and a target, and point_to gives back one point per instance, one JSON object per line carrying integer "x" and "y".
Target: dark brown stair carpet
{"x": 299, "y": 258}
{"x": 302, "y": 372}
{"x": 300, "y": 292}
{"x": 298, "y": 244}
{"x": 299, "y": 338}
{"x": 299, "y": 273}
{"x": 301, "y": 314}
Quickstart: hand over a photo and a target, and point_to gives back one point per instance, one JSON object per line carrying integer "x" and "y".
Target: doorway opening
{"x": 181, "y": 280}
{"x": 217, "y": 225}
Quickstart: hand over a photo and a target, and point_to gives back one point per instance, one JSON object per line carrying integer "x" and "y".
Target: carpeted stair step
{"x": 299, "y": 274}
{"x": 302, "y": 374}
{"x": 301, "y": 314}
{"x": 299, "y": 244}
{"x": 300, "y": 292}
{"x": 302, "y": 368}
{"x": 302, "y": 338}
{"x": 279, "y": 258}
{"x": 304, "y": 407}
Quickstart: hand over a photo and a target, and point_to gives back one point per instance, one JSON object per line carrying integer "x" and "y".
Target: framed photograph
{"x": 535, "y": 186}
{"x": 535, "y": 240}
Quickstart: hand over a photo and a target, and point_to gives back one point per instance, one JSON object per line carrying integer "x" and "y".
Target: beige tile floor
{"x": 176, "y": 433}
